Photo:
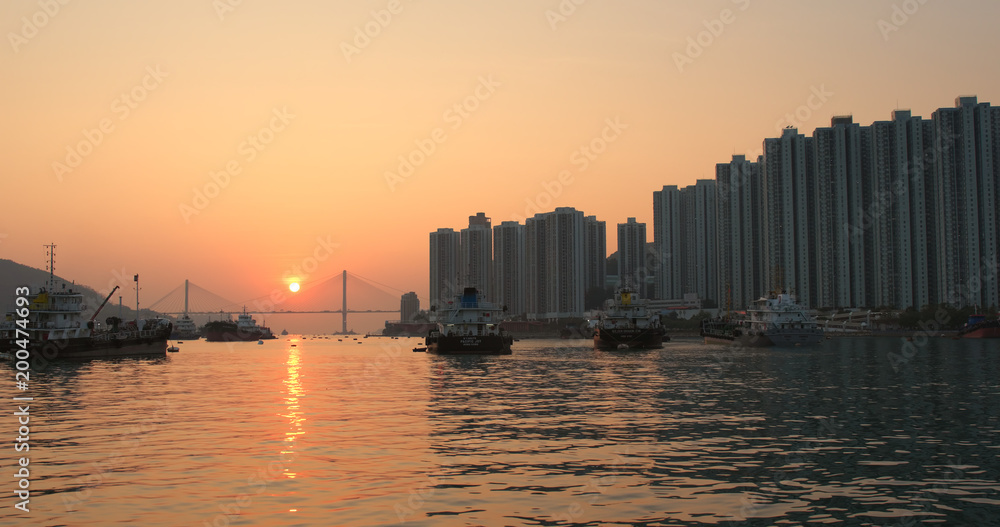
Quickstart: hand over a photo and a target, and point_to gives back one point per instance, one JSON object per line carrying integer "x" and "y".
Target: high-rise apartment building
{"x": 667, "y": 242}
{"x": 967, "y": 199}
{"x": 699, "y": 265}
{"x": 595, "y": 253}
{"x": 555, "y": 264}
{"x": 509, "y": 271}
{"x": 789, "y": 242}
{"x": 632, "y": 269}
{"x": 409, "y": 306}
{"x": 444, "y": 266}
{"x": 477, "y": 255}
{"x": 739, "y": 224}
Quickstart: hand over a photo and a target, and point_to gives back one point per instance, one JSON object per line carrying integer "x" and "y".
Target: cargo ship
{"x": 50, "y": 325}
{"x": 625, "y": 323}
{"x": 245, "y": 329}
{"x": 185, "y": 329}
{"x": 470, "y": 327}
{"x": 774, "y": 320}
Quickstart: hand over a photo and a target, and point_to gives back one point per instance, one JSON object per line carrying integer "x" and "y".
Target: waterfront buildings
{"x": 595, "y": 249}
{"x": 632, "y": 268}
{"x": 509, "y": 267}
{"x": 409, "y": 306}
{"x": 667, "y": 242}
{"x": 896, "y": 214}
{"x": 555, "y": 264}
{"x": 476, "y": 265}
{"x": 900, "y": 213}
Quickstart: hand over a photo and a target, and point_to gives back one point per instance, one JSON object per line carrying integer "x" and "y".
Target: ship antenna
{"x": 51, "y": 249}
{"x": 136, "y": 278}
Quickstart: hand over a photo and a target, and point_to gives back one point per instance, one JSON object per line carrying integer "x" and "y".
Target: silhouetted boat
{"x": 977, "y": 327}
{"x": 54, "y": 328}
{"x": 774, "y": 320}
{"x": 245, "y": 329}
{"x": 472, "y": 326}
{"x": 625, "y": 323}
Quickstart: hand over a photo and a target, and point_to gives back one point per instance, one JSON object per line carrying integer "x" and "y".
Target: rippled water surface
{"x": 318, "y": 431}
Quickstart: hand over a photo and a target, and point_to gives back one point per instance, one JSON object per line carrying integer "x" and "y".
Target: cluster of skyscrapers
{"x": 897, "y": 214}
{"x": 900, "y": 213}
{"x": 541, "y": 268}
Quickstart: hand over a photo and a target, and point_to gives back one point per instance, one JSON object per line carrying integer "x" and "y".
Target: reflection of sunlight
{"x": 294, "y": 416}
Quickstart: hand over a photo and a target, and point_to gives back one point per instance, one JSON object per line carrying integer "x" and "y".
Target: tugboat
{"x": 245, "y": 329}
{"x": 774, "y": 320}
{"x": 977, "y": 327}
{"x": 55, "y": 329}
{"x": 625, "y": 323}
{"x": 472, "y": 327}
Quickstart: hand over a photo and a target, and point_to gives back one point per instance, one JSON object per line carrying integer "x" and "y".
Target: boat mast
{"x": 136, "y": 301}
{"x": 51, "y": 250}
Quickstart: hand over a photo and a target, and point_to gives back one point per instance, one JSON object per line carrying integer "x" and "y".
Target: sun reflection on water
{"x": 294, "y": 391}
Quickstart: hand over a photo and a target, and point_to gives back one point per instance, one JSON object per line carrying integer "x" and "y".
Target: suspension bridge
{"x": 328, "y": 295}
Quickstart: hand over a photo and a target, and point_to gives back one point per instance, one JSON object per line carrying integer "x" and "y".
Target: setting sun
{"x": 294, "y": 287}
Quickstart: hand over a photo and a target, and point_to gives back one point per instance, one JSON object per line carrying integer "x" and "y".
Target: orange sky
{"x": 179, "y": 88}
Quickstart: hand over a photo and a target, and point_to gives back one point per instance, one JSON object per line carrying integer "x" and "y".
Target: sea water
{"x": 336, "y": 431}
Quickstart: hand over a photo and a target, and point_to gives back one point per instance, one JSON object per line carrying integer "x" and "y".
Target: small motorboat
{"x": 419, "y": 350}
{"x": 173, "y": 349}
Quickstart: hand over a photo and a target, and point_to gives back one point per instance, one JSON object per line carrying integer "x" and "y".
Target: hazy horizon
{"x": 244, "y": 146}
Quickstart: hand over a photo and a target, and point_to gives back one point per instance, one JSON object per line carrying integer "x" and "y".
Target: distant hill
{"x": 13, "y": 275}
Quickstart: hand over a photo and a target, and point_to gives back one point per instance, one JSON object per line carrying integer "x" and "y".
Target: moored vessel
{"x": 472, "y": 327}
{"x": 51, "y": 326}
{"x": 185, "y": 329}
{"x": 774, "y": 320}
{"x": 245, "y": 329}
{"x": 626, "y": 323}
{"x": 979, "y": 327}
